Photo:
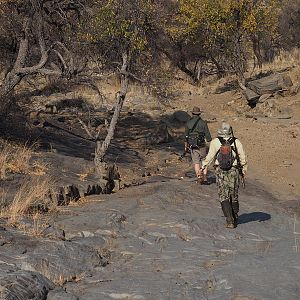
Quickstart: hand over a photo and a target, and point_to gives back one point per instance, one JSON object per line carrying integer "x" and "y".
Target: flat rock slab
{"x": 60, "y": 295}
{"x": 167, "y": 241}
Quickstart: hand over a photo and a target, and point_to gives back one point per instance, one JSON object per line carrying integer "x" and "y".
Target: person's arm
{"x": 186, "y": 134}
{"x": 242, "y": 155}
{"x": 213, "y": 149}
{"x": 207, "y": 132}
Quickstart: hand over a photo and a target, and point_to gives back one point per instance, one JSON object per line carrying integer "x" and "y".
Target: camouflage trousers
{"x": 228, "y": 184}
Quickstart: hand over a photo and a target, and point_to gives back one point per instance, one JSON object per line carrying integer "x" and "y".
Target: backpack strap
{"x": 233, "y": 147}
{"x": 222, "y": 140}
{"x": 230, "y": 141}
{"x": 194, "y": 126}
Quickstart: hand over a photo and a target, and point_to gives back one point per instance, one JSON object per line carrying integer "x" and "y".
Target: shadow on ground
{"x": 253, "y": 217}
{"x": 61, "y": 131}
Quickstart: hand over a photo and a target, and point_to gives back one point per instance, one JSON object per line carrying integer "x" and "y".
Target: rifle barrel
{"x": 239, "y": 165}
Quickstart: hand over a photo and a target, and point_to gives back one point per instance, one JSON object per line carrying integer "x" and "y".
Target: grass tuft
{"x": 31, "y": 199}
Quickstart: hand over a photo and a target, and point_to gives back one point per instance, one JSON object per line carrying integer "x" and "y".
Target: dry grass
{"x": 31, "y": 199}
{"x": 183, "y": 235}
{"x": 59, "y": 279}
{"x": 87, "y": 172}
{"x": 39, "y": 168}
{"x": 4, "y": 159}
{"x": 14, "y": 159}
{"x": 19, "y": 159}
{"x": 286, "y": 60}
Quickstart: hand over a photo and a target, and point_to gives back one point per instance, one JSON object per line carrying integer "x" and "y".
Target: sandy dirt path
{"x": 271, "y": 144}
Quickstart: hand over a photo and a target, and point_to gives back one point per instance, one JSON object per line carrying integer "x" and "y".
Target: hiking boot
{"x": 235, "y": 208}
{"x": 230, "y": 225}
{"x": 205, "y": 180}
{"x": 228, "y": 213}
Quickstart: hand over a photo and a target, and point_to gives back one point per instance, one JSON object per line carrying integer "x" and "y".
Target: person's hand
{"x": 186, "y": 147}
{"x": 245, "y": 173}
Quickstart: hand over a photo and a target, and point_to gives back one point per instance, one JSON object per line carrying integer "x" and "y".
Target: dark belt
{"x": 198, "y": 147}
{"x": 233, "y": 167}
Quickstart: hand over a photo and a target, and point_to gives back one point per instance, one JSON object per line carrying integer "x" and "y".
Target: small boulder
{"x": 181, "y": 116}
{"x": 160, "y": 135}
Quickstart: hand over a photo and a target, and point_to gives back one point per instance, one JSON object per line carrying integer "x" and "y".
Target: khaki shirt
{"x": 214, "y": 148}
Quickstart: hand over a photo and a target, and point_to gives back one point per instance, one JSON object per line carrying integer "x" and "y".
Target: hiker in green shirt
{"x": 196, "y": 136}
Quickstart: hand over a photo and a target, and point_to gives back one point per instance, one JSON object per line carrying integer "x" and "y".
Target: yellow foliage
{"x": 225, "y": 16}
{"x": 126, "y": 25}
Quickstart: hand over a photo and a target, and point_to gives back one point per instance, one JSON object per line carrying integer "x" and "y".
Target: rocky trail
{"x": 163, "y": 240}
{"x": 161, "y": 236}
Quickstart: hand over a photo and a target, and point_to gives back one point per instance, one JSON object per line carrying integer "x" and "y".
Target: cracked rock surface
{"x": 164, "y": 239}
{"x": 167, "y": 241}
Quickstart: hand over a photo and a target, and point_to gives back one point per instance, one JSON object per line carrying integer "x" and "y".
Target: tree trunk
{"x": 106, "y": 172}
{"x": 240, "y": 62}
{"x": 11, "y": 80}
{"x": 256, "y": 50}
{"x": 35, "y": 25}
{"x": 14, "y": 77}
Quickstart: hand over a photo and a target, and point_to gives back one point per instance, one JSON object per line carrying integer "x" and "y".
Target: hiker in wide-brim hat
{"x": 229, "y": 158}
{"x": 196, "y": 136}
{"x": 196, "y": 110}
{"x": 225, "y": 130}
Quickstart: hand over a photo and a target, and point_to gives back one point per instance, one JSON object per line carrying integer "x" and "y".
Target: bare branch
{"x": 241, "y": 84}
{"x": 24, "y": 44}
{"x": 36, "y": 68}
{"x": 132, "y": 76}
{"x": 87, "y": 130}
{"x": 46, "y": 71}
{"x": 41, "y": 40}
{"x": 69, "y": 55}
{"x": 60, "y": 58}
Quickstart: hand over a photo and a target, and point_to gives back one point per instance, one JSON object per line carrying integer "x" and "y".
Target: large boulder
{"x": 19, "y": 284}
{"x": 270, "y": 84}
{"x": 251, "y": 96}
{"x": 61, "y": 260}
{"x": 181, "y": 116}
{"x": 159, "y": 135}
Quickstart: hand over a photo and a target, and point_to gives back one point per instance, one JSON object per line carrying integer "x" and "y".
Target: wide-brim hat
{"x": 196, "y": 110}
{"x": 224, "y": 130}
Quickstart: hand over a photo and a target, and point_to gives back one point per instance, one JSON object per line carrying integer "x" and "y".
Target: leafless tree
{"x": 38, "y": 20}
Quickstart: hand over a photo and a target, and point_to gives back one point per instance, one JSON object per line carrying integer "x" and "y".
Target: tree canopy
{"x": 184, "y": 32}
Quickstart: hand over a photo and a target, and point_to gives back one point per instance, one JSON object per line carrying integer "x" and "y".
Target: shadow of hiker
{"x": 211, "y": 178}
{"x": 253, "y": 217}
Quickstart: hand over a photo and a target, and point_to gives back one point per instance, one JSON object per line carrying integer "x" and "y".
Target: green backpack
{"x": 195, "y": 139}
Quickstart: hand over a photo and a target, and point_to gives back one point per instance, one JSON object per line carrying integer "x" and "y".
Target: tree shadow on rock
{"x": 254, "y": 217}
